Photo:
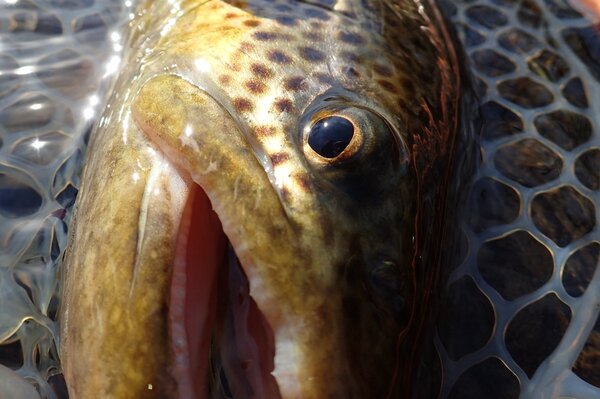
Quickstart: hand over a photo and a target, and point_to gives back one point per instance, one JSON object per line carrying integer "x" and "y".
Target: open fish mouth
{"x": 220, "y": 338}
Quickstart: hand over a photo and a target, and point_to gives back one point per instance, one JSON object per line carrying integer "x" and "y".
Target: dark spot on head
{"x": 264, "y": 36}
{"x": 261, "y": 71}
{"x": 314, "y": 36}
{"x": 285, "y": 194}
{"x": 234, "y": 66}
{"x": 387, "y": 85}
{"x": 231, "y": 15}
{"x": 246, "y": 47}
{"x": 303, "y": 182}
{"x": 407, "y": 85}
{"x": 242, "y": 104}
{"x": 403, "y": 104}
{"x": 283, "y": 105}
{"x": 235, "y": 3}
{"x": 316, "y": 25}
{"x": 278, "y": 57}
{"x": 311, "y": 54}
{"x": 351, "y": 38}
{"x": 424, "y": 76}
{"x": 294, "y": 84}
{"x": 224, "y": 79}
{"x": 350, "y": 56}
{"x": 351, "y": 72}
{"x": 368, "y": 26}
{"x": 391, "y": 20}
{"x": 316, "y": 13}
{"x": 324, "y": 78}
{"x": 252, "y": 23}
{"x": 286, "y": 21}
{"x": 382, "y": 70}
{"x": 265, "y": 131}
{"x": 255, "y": 86}
{"x": 279, "y": 158}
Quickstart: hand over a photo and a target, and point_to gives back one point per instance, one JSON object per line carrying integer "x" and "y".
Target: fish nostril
{"x": 386, "y": 279}
{"x": 330, "y": 136}
{"x": 385, "y": 276}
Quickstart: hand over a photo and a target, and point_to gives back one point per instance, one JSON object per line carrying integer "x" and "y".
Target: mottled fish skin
{"x": 519, "y": 316}
{"x": 340, "y": 254}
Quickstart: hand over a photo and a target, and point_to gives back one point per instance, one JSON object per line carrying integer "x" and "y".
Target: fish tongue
{"x": 247, "y": 345}
{"x": 200, "y": 251}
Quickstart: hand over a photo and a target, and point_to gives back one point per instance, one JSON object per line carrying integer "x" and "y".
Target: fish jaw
{"x": 296, "y": 268}
{"x": 117, "y": 273}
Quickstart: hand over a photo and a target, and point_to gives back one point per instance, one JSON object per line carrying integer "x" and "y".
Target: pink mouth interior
{"x": 210, "y": 300}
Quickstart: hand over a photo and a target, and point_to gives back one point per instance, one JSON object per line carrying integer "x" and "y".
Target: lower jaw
{"x": 222, "y": 345}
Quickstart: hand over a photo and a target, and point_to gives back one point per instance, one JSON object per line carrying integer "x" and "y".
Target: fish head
{"x": 298, "y": 124}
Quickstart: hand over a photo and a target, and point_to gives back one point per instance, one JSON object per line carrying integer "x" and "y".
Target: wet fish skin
{"x": 113, "y": 318}
{"x": 330, "y": 251}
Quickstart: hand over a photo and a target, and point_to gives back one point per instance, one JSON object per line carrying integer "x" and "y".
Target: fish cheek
{"x": 371, "y": 197}
{"x": 374, "y": 315}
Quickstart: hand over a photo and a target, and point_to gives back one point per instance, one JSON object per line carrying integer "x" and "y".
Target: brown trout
{"x": 263, "y": 202}
{"x": 518, "y": 313}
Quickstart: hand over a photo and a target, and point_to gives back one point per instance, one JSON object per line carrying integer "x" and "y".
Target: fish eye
{"x": 347, "y": 142}
{"x": 330, "y": 136}
{"x": 337, "y": 134}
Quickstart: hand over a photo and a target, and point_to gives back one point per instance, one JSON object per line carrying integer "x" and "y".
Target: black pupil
{"x": 330, "y": 136}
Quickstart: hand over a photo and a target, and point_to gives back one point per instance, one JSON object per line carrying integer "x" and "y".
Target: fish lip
{"x": 220, "y": 306}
